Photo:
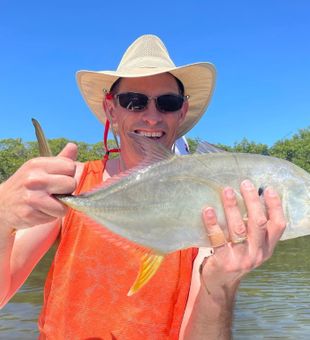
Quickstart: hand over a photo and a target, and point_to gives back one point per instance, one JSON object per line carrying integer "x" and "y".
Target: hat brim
{"x": 198, "y": 80}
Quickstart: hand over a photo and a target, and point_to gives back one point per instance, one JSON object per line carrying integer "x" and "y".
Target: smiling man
{"x": 153, "y": 107}
{"x": 86, "y": 288}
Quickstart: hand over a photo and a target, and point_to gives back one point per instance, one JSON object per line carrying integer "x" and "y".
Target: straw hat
{"x": 148, "y": 56}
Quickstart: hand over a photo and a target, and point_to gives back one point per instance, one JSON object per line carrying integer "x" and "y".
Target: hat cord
{"x": 105, "y": 140}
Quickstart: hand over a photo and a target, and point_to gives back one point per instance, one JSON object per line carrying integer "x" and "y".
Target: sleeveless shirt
{"x": 85, "y": 295}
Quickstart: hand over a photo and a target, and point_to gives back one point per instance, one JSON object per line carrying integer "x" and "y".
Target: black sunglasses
{"x": 138, "y": 102}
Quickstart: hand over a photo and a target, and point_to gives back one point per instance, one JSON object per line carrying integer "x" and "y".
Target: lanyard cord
{"x": 105, "y": 141}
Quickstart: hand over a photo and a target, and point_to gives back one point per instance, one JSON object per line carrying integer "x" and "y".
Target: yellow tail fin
{"x": 149, "y": 266}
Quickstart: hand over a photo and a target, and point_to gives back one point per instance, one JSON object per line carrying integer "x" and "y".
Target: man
{"x": 85, "y": 294}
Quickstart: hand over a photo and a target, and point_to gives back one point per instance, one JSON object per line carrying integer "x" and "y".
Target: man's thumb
{"x": 69, "y": 151}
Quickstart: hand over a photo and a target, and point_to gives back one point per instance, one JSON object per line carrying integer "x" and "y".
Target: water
{"x": 273, "y": 301}
{"x": 18, "y": 319}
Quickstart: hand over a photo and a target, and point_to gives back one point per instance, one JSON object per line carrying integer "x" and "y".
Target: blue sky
{"x": 260, "y": 48}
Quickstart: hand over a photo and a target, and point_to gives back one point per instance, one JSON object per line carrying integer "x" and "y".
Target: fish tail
{"x": 148, "y": 268}
{"x": 44, "y": 148}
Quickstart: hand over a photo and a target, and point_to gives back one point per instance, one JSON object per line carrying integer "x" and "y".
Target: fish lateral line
{"x": 208, "y": 182}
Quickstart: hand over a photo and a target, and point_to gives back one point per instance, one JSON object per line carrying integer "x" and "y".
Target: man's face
{"x": 150, "y": 122}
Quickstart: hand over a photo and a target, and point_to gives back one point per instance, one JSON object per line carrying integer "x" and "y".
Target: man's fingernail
{"x": 247, "y": 184}
{"x": 229, "y": 193}
{"x": 209, "y": 212}
{"x": 270, "y": 191}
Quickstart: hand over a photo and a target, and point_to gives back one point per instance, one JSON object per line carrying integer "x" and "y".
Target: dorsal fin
{"x": 152, "y": 150}
{"x": 116, "y": 178}
{"x": 111, "y": 181}
{"x": 205, "y": 147}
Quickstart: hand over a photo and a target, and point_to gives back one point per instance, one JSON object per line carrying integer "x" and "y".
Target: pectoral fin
{"x": 149, "y": 266}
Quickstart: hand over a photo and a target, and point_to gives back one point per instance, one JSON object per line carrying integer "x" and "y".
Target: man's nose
{"x": 151, "y": 115}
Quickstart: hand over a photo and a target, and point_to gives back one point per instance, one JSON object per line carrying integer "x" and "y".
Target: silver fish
{"x": 159, "y": 204}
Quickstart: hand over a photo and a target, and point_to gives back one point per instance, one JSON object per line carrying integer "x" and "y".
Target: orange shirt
{"x": 85, "y": 295}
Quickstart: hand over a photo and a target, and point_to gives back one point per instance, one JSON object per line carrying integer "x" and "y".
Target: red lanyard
{"x": 105, "y": 141}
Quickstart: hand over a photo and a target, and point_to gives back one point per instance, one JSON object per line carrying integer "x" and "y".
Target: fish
{"x": 158, "y": 204}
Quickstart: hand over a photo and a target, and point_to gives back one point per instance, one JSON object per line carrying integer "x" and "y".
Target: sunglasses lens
{"x": 138, "y": 102}
{"x": 170, "y": 102}
{"x": 133, "y": 101}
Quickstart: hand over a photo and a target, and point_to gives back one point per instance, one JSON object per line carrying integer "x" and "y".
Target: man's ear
{"x": 109, "y": 107}
{"x": 184, "y": 111}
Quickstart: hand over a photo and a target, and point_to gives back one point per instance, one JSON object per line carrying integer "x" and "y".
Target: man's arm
{"x": 212, "y": 314}
{"x": 220, "y": 274}
{"x": 30, "y": 216}
{"x": 20, "y": 252}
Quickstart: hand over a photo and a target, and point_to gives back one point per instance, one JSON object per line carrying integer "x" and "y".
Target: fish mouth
{"x": 154, "y": 135}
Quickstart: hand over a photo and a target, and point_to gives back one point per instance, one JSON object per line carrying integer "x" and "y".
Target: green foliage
{"x": 57, "y": 144}
{"x": 251, "y": 147}
{"x": 243, "y": 146}
{"x": 295, "y": 150}
{"x": 193, "y": 143}
{"x": 14, "y": 152}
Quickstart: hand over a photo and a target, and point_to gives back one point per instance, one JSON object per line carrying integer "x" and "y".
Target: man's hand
{"x": 251, "y": 241}
{"x": 248, "y": 244}
{"x": 26, "y": 197}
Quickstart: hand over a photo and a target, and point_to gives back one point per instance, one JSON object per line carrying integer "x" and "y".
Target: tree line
{"x": 14, "y": 152}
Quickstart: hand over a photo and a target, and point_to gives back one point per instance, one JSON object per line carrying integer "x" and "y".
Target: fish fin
{"x": 152, "y": 150}
{"x": 155, "y": 152}
{"x": 44, "y": 148}
{"x": 107, "y": 183}
{"x": 104, "y": 232}
{"x": 149, "y": 265}
{"x": 150, "y": 259}
{"x": 205, "y": 147}
{"x": 114, "y": 179}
